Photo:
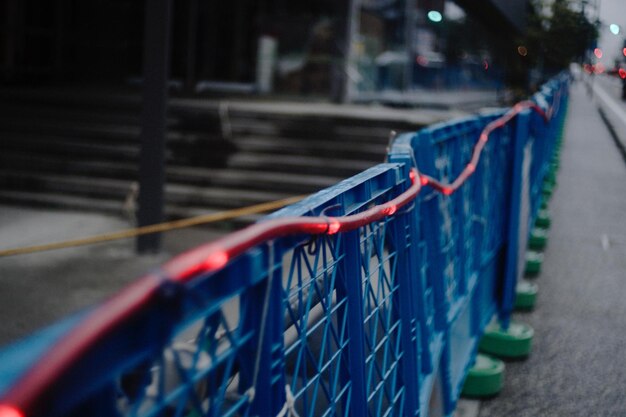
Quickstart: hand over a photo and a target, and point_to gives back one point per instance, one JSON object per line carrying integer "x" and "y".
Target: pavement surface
{"x": 578, "y": 361}
{"x": 40, "y": 288}
{"x": 607, "y": 94}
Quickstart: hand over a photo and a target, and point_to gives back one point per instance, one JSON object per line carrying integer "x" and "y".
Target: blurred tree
{"x": 559, "y": 32}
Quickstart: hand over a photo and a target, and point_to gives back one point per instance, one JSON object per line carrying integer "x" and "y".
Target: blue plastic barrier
{"x": 462, "y": 240}
{"x": 378, "y": 321}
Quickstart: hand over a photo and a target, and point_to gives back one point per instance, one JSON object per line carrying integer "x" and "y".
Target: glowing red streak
{"x": 448, "y": 189}
{"x": 213, "y": 261}
{"x": 389, "y": 211}
{"x": 622, "y": 73}
{"x": 600, "y": 68}
{"x": 216, "y": 260}
{"x": 316, "y": 229}
{"x": 333, "y": 226}
{"x": 412, "y": 175}
{"x": 9, "y": 411}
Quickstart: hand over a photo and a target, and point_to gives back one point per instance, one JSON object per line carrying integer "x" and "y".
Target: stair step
{"x": 61, "y": 201}
{"x": 99, "y": 188}
{"x": 68, "y": 148}
{"x": 195, "y": 153}
{"x": 75, "y": 98}
{"x": 347, "y": 150}
{"x": 231, "y": 178}
{"x": 79, "y": 148}
{"x": 50, "y": 164}
{"x": 83, "y": 142}
{"x": 105, "y": 134}
{"x": 69, "y": 202}
{"x": 299, "y": 164}
{"x": 178, "y": 212}
{"x": 63, "y": 129}
{"x": 263, "y": 180}
{"x": 44, "y": 112}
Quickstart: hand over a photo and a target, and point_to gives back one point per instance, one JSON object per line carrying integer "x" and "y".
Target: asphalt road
{"x": 578, "y": 361}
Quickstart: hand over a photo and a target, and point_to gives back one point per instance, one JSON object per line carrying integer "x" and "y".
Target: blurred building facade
{"x": 328, "y": 49}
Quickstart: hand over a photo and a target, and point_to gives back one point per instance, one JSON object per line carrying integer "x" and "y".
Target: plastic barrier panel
{"x": 365, "y": 299}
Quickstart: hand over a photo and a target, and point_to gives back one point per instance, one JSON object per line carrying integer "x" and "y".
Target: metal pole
{"x": 352, "y": 31}
{"x": 152, "y": 157}
{"x": 192, "y": 34}
{"x": 409, "y": 31}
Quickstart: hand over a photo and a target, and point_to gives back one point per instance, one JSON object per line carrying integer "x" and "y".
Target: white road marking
{"x": 604, "y": 239}
{"x": 615, "y": 107}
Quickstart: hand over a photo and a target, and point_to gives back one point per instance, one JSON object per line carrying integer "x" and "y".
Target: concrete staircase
{"x": 79, "y": 150}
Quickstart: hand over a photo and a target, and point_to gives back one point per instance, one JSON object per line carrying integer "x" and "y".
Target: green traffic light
{"x": 435, "y": 16}
{"x": 615, "y": 29}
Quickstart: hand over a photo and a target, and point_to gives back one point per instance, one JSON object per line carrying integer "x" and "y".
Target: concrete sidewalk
{"x": 40, "y": 288}
{"x": 607, "y": 95}
{"x": 578, "y": 361}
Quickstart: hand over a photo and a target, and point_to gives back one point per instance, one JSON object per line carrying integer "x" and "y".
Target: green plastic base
{"x": 543, "y": 220}
{"x": 538, "y": 239}
{"x": 513, "y": 343}
{"x": 525, "y": 295}
{"x": 547, "y": 191}
{"x": 485, "y": 378}
{"x": 533, "y": 263}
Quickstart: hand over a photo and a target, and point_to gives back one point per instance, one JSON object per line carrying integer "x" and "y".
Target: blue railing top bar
{"x": 367, "y": 298}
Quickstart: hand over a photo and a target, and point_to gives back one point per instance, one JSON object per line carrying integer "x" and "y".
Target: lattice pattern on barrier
{"x": 316, "y": 337}
{"x": 376, "y": 319}
{"x": 381, "y": 321}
